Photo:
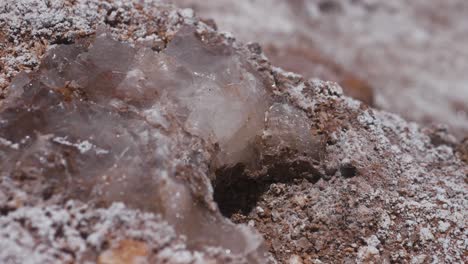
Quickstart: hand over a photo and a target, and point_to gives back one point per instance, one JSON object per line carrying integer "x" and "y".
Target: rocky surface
{"x": 132, "y": 131}
{"x": 77, "y": 233}
{"x": 406, "y": 57}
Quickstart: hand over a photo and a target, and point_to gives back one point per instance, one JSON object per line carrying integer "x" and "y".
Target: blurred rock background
{"x": 406, "y": 57}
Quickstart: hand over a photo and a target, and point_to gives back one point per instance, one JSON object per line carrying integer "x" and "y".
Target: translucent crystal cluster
{"x": 102, "y": 121}
{"x": 288, "y": 127}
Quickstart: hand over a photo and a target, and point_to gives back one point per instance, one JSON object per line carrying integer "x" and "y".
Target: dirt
{"x": 375, "y": 188}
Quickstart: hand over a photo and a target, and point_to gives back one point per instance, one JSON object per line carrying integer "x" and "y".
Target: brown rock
{"x": 126, "y": 251}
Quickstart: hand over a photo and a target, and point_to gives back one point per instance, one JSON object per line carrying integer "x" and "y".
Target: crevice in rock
{"x": 348, "y": 170}
{"x": 62, "y": 40}
{"x": 5, "y": 210}
{"x": 237, "y": 191}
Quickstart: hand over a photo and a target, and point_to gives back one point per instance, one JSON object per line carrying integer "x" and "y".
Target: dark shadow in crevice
{"x": 4, "y": 210}
{"x": 348, "y": 170}
{"x": 236, "y": 192}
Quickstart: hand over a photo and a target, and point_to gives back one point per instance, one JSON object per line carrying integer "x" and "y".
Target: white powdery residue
{"x": 187, "y": 13}
{"x": 47, "y": 221}
{"x": 426, "y": 234}
{"x": 285, "y": 73}
{"x": 174, "y": 17}
{"x": 373, "y": 241}
{"x": 25, "y": 59}
{"x": 334, "y": 89}
{"x": 130, "y": 224}
{"x": 199, "y": 257}
{"x": 82, "y": 147}
{"x": 45, "y": 21}
{"x": 351, "y": 145}
{"x": 227, "y": 35}
{"x": 39, "y": 234}
{"x": 441, "y": 195}
{"x": 352, "y": 103}
{"x": 420, "y": 259}
{"x": 366, "y": 252}
{"x": 295, "y": 259}
{"x": 75, "y": 240}
{"x": 366, "y": 119}
{"x": 407, "y": 159}
{"x": 44, "y": 246}
{"x": 428, "y": 206}
{"x": 152, "y": 37}
{"x": 8, "y": 143}
{"x": 101, "y": 151}
{"x": 18, "y": 250}
{"x": 63, "y": 141}
{"x": 395, "y": 149}
{"x": 385, "y": 221}
{"x": 105, "y": 225}
{"x": 302, "y": 101}
{"x": 154, "y": 116}
{"x": 411, "y": 141}
{"x": 440, "y": 153}
{"x": 443, "y": 226}
{"x": 179, "y": 256}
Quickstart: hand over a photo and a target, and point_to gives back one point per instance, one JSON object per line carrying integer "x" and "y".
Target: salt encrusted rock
{"x": 127, "y": 251}
{"x": 104, "y": 122}
{"x": 350, "y": 182}
{"x": 77, "y": 233}
{"x": 415, "y": 68}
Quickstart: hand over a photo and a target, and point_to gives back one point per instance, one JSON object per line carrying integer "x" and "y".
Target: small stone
{"x": 126, "y": 252}
{"x": 295, "y": 259}
{"x": 275, "y": 215}
{"x": 420, "y": 259}
{"x": 426, "y": 234}
{"x": 303, "y": 243}
{"x": 443, "y": 226}
{"x": 260, "y": 211}
{"x": 300, "y": 200}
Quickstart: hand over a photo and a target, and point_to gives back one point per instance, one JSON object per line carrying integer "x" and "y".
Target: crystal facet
{"x": 103, "y": 122}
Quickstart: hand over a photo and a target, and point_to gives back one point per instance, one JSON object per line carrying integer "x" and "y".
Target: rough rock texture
{"x": 410, "y": 54}
{"x": 101, "y": 120}
{"x": 76, "y": 233}
{"x": 143, "y": 104}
